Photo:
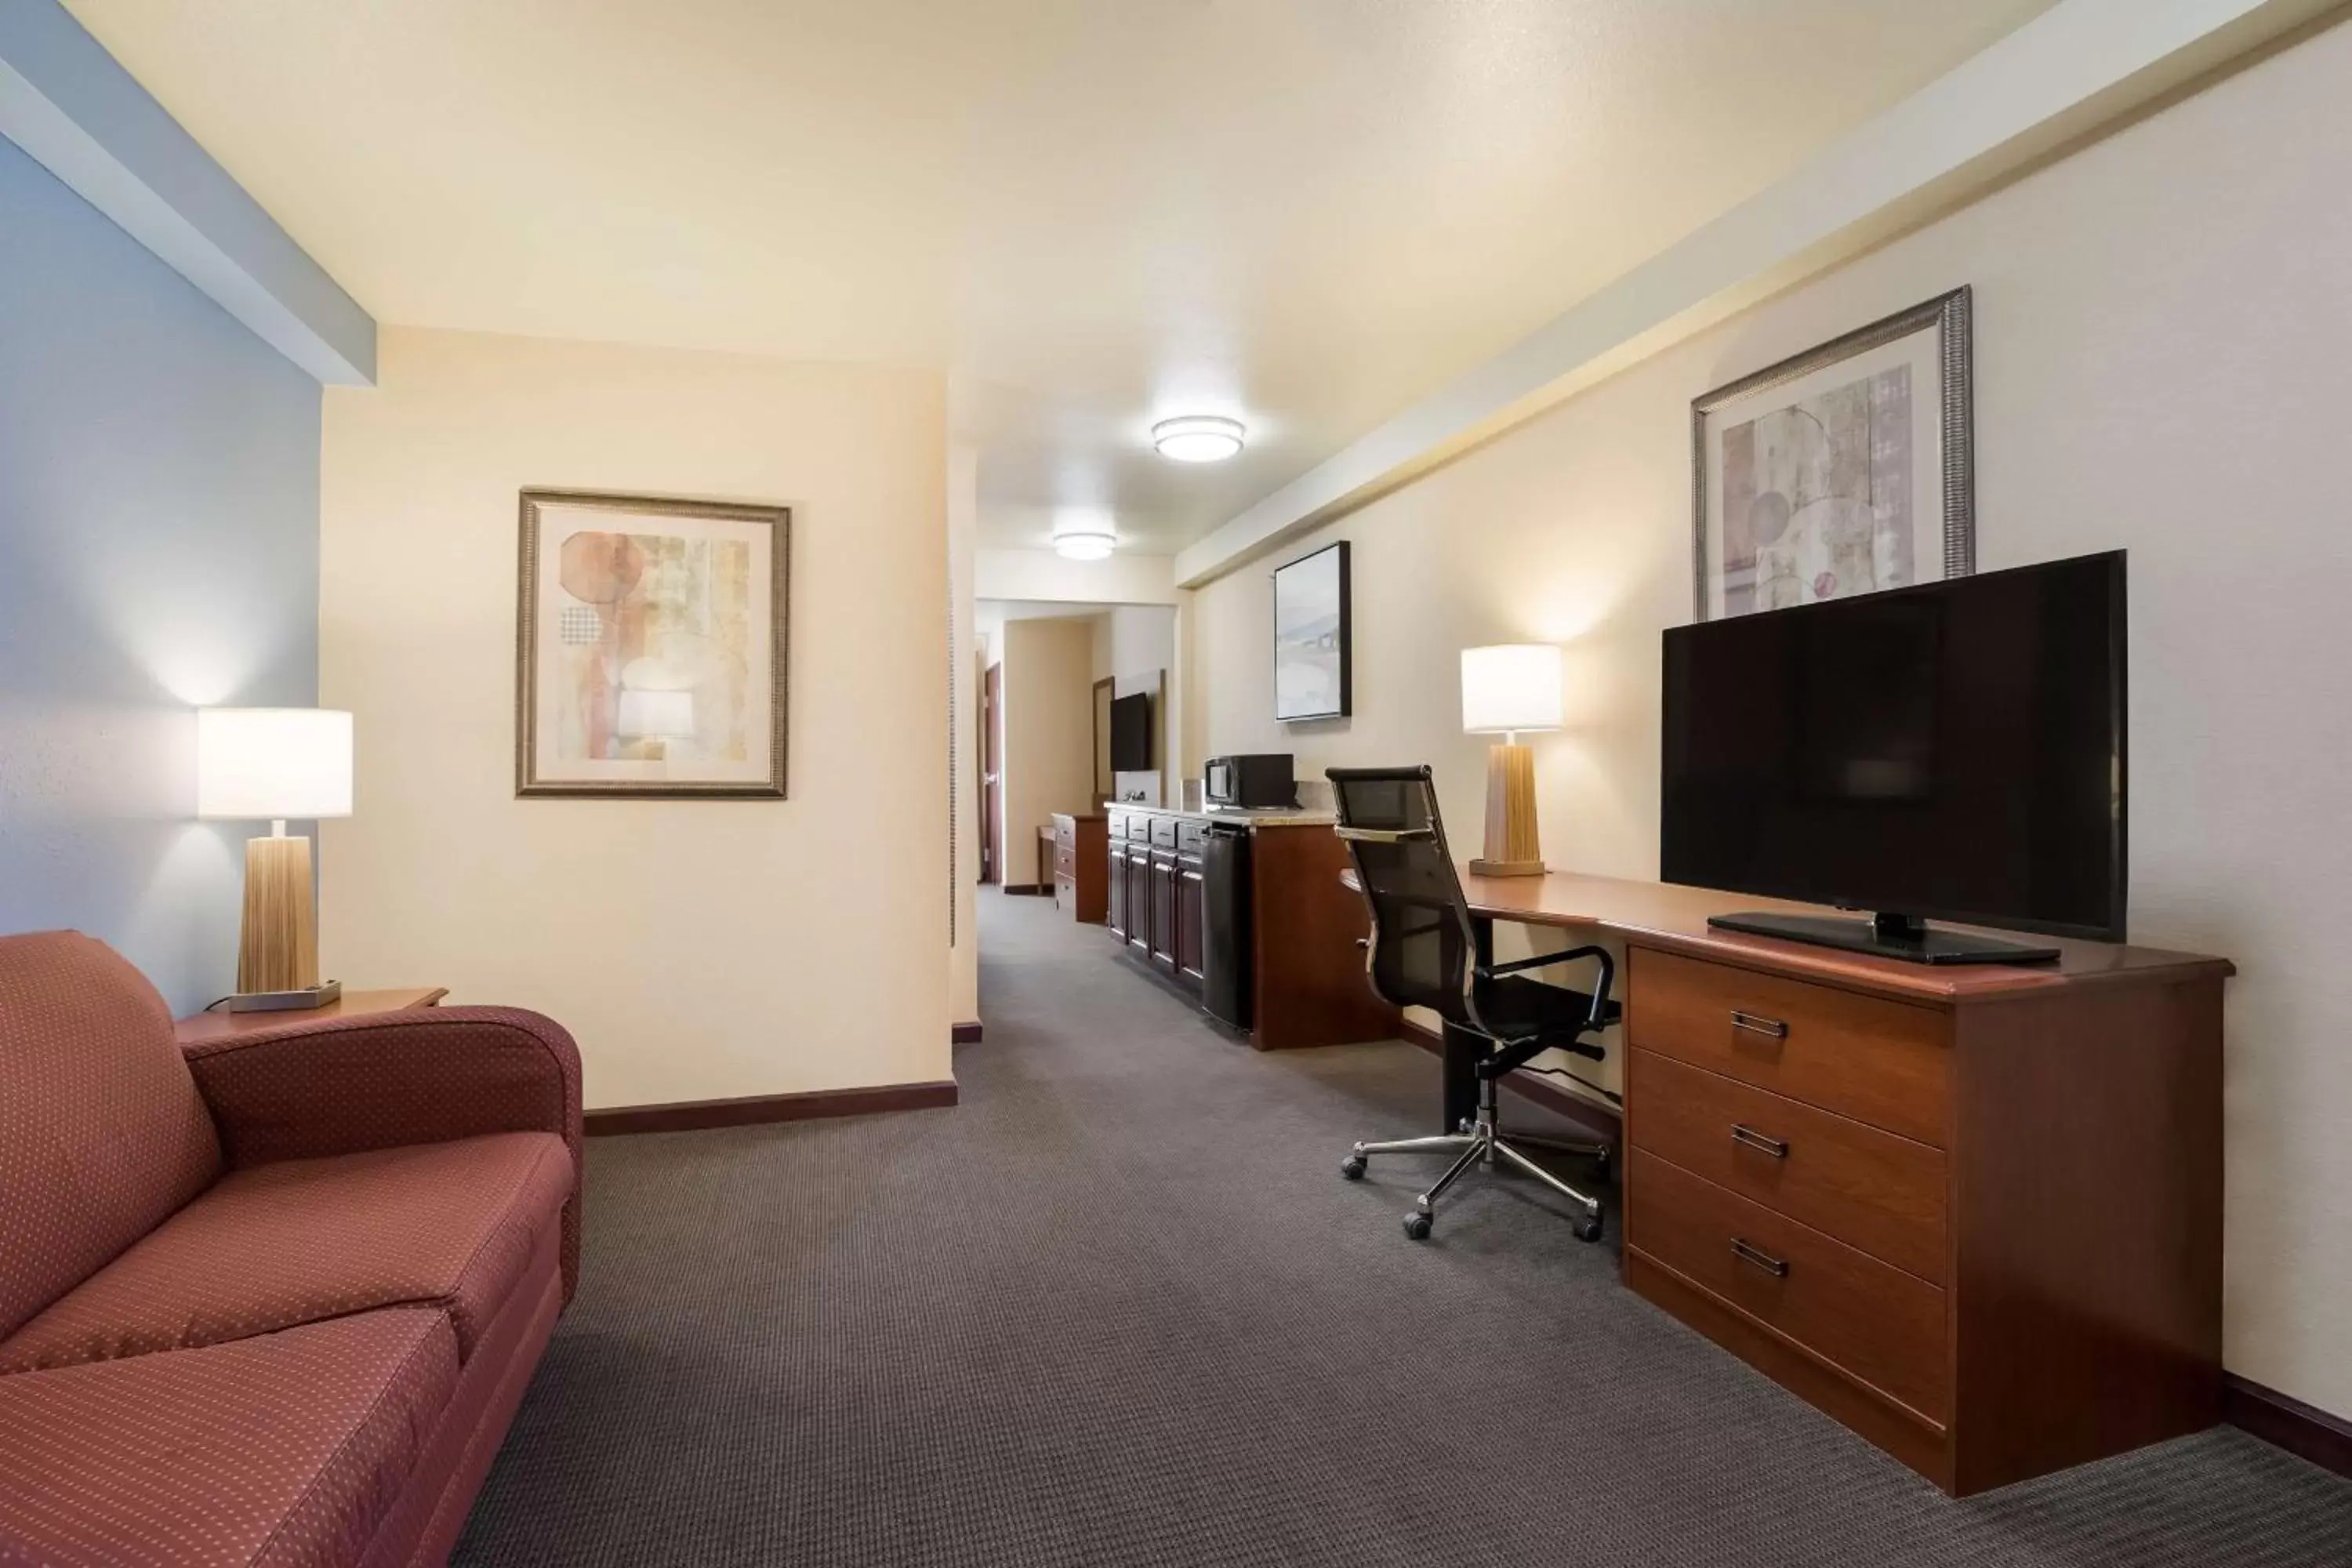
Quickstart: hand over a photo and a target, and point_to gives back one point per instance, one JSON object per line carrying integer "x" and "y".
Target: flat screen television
{"x": 1953, "y": 750}
{"x": 1130, "y": 733}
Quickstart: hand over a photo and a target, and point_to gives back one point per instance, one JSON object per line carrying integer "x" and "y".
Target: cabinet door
{"x": 1115, "y": 890}
{"x": 1192, "y": 910}
{"x": 1139, "y": 897}
{"x": 1163, "y": 913}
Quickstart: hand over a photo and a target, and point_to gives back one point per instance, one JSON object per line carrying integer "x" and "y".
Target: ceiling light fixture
{"x": 1084, "y": 536}
{"x": 1198, "y": 438}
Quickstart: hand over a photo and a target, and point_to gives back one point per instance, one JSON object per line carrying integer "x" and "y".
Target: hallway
{"x": 1118, "y": 1307}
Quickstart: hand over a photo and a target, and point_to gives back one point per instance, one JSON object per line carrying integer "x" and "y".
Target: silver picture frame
{"x": 1948, "y": 316}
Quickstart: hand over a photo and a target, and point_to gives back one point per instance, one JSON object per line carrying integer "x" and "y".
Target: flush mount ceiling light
{"x": 1198, "y": 438}
{"x": 1084, "y": 536}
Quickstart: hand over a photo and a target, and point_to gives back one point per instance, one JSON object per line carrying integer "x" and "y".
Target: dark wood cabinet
{"x": 1306, "y": 971}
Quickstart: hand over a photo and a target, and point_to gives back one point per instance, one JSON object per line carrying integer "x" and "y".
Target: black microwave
{"x": 1259, "y": 781}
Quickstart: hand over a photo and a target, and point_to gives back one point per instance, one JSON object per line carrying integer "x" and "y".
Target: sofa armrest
{"x": 381, "y": 1080}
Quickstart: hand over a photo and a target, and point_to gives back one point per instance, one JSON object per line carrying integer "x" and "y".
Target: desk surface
{"x": 1663, "y": 915}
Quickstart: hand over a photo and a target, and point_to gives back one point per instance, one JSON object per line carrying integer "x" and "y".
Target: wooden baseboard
{"x": 1596, "y": 1119}
{"x": 965, "y": 1034}
{"x": 2304, "y": 1430}
{"x": 694, "y": 1115}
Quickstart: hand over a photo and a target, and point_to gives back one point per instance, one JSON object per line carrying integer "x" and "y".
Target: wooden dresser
{"x": 1974, "y": 1213}
{"x": 1080, "y": 866}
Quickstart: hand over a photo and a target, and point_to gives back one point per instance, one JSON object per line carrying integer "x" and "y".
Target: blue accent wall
{"x": 158, "y": 551}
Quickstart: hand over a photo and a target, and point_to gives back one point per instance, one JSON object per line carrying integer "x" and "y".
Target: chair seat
{"x": 302, "y": 1241}
{"x": 1516, "y": 1008}
{"x": 280, "y": 1449}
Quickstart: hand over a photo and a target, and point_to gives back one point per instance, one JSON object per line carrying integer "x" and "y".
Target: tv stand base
{"x": 1888, "y": 935}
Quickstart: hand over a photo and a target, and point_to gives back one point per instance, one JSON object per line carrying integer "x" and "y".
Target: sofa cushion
{"x": 277, "y": 1450}
{"x": 303, "y": 1240}
{"x": 101, "y": 1131}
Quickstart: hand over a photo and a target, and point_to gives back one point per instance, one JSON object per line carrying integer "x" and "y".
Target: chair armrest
{"x": 1602, "y": 1013}
{"x": 381, "y": 1080}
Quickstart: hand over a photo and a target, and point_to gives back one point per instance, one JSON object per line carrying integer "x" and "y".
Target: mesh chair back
{"x": 1421, "y": 953}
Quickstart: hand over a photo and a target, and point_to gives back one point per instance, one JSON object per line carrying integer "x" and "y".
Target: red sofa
{"x": 273, "y": 1300}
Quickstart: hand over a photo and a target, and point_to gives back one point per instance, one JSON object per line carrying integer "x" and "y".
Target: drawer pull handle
{"x": 1747, "y": 1252}
{"x": 1757, "y": 1141}
{"x": 1756, "y": 1024}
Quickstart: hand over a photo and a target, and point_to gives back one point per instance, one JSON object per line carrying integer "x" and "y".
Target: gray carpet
{"x": 1117, "y": 1308}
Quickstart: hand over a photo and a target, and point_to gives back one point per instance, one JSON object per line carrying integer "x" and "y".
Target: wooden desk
{"x": 1972, "y": 1212}
{"x": 349, "y": 1005}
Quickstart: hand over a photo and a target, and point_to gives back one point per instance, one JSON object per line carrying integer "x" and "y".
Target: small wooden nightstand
{"x": 349, "y": 1005}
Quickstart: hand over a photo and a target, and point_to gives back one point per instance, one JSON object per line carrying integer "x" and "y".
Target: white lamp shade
{"x": 1509, "y": 687}
{"x": 261, "y": 764}
{"x": 655, "y": 713}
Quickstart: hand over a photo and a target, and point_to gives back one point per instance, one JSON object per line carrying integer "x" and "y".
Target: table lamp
{"x": 1509, "y": 690}
{"x": 271, "y": 765}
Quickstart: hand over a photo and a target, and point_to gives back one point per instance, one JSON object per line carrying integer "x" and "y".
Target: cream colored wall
{"x": 968, "y": 666}
{"x": 697, "y": 950}
{"x": 1048, "y": 731}
{"x": 2160, "y": 339}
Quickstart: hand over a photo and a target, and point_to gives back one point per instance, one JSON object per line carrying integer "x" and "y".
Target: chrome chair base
{"x": 1481, "y": 1142}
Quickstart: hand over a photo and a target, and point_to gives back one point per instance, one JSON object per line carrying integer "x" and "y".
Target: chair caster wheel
{"x": 1352, "y": 1167}
{"x": 1588, "y": 1229}
{"x": 1600, "y": 1163}
{"x": 1416, "y": 1225}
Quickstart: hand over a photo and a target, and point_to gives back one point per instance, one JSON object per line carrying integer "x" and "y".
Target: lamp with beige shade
{"x": 274, "y": 764}
{"x": 1510, "y": 689}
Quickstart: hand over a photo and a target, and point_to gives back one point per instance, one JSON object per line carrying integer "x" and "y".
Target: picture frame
{"x": 1313, "y": 628}
{"x": 1840, "y": 471}
{"x": 651, "y": 643}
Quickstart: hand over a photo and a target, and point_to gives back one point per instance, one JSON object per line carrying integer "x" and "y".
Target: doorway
{"x": 992, "y": 814}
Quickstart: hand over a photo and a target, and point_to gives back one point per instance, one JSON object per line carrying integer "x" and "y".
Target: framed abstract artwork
{"x": 1311, "y": 675}
{"x": 650, "y": 647}
{"x": 1842, "y": 470}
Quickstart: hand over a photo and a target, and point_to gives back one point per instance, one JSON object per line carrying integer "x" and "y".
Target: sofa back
{"x": 103, "y": 1134}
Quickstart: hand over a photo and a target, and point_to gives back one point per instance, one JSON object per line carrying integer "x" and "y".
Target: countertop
{"x": 1295, "y": 816}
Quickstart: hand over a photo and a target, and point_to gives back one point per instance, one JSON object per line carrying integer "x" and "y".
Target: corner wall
{"x": 699, "y": 950}
{"x": 158, "y": 551}
{"x": 2160, "y": 338}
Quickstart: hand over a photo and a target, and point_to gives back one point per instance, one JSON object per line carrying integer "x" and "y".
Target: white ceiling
{"x": 1092, "y": 212}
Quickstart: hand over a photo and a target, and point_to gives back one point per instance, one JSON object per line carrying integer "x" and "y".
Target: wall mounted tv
{"x": 1130, "y": 733}
{"x": 1953, "y": 750}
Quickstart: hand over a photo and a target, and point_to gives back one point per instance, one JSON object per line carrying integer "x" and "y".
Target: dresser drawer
{"x": 1871, "y": 1320}
{"x": 1066, "y": 860}
{"x": 1163, "y": 833}
{"x": 1881, "y": 1062}
{"x": 1870, "y": 1189}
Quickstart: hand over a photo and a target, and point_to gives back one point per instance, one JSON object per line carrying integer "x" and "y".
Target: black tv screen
{"x": 1130, "y": 733}
{"x": 1954, "y": 750}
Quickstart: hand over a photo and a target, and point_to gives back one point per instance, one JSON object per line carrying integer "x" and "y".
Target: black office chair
{"x": 1423, "y": 953}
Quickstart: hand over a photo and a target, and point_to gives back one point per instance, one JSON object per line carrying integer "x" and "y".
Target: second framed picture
{"x": 1841, "y": 470}
{"x": 1311, "y": 674}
